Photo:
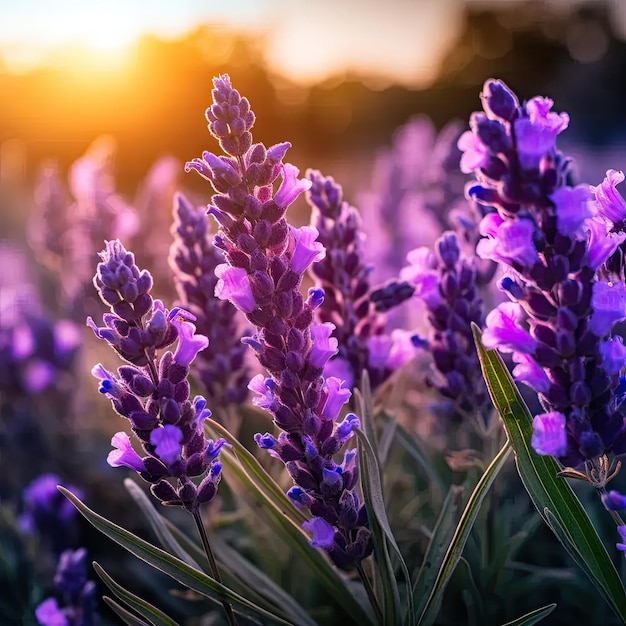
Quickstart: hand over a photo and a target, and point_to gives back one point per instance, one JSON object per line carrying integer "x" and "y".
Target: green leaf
{"x": 254, "y": 578}
{"x": 172, "y": 566}
{"x": 145, "y": 609}
{"x": 533, "y": 617}
{"x": 461, "y": 534}
{"x": 293, "y": 535}
{"x": 550, "y": 493}
{"x": 124, "y": 614}
{"x": 437, "y": 547}
{"x": 373, "y": 494}
{"x": 413, "y": 447}
{"x": 261, "y": 479}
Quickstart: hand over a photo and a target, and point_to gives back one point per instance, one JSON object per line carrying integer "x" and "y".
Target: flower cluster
{"x": 47, "y": 513}
{"x": 63, "y": 232}
{"x": 344, "y": 278}
{"x": 417, "y": 175}
{"x": 220, "y": 367}
{"x": 36, "y": 353}
{"x": 446, "y": 282}
{"x": 265, "y": 262}
{"x": 553, "y": 240}
{"x": 78, "y": 606}
{"x": 153, "y": 392}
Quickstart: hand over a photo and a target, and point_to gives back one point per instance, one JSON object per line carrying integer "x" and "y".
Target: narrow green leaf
{"x": 124, "y": 614}
{"x": 533, "y": 617}
{"x": 172, "y": 566}
{"x": 373, "y": 492}
{"x": 547, "y": 490}
{"x": 293, "y": 535}
{"x": 145, "y": 609}
{"x": 384, "y": 568}
{"x": 254, "y": 578}
{"x": 386, "y": 440}
{"x": 461, "y": 534}
{"x": 412, "y": 446}
{"x": 155, "y": 520}
{"x": 437, "y": 547}
{"x": 261, "y": 479}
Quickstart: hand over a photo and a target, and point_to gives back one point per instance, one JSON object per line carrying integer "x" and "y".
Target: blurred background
{"x": 334, "y": 78}
{"x": 101, "y": 104}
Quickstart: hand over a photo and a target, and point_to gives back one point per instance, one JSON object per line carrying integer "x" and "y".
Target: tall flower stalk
{"x": 554, "y": 242}
{"x": 344, "y": 277}
{"x": 265, "y": 260}
{"x": 152, "y": 391}
{"x": 221, "y": 367}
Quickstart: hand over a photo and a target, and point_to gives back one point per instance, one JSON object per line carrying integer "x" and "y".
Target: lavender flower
{"x": 47, "y": 513}
{"x": 153, "y": 392}
{"x": 63, "y": 233}
{"x": 37, "y": 354}
{"x": 552, "y": 240}
{"x": 343, "y": 277}
{"x": 220, "y": 368}
{"x": 416, "y": 176}
{"x": 446, "y": 282}
{"x": 78, "y": 606}
{"x": 265, "y": 261}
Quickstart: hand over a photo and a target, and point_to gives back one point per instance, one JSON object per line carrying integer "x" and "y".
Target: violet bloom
{"x": 343, "y": 276}
{"x": 220, "y": 367}
{"x": 559, "y": 278}
{"x": 78, "y": 607}
{"x": 153, "y": 392}
{"x": 47, "y": 514}
{"x": 265, "y": 259}
{"x": 446, "y": 282}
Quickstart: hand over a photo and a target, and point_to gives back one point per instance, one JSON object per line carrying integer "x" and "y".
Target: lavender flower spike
{"x": 220, "y": 367}
{"x": 565, "y": 275}
{"x": 153, "y": 392}
{"x": 265, "y": 259}
{"x": 344, "y": 278}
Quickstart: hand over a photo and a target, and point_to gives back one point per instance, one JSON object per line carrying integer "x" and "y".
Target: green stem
{"x": 232, "y": 620}
{"x": 370, "y": 593}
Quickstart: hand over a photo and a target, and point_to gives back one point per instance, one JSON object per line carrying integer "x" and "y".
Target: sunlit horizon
{"x": 401, "y": 41}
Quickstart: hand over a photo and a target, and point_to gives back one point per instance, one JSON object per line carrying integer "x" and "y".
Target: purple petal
{"x": 167, "y": 441}
{"x": 549, "y": 434}
{"x": 336, "y": 398}
{"x": 189, "y": 344}
{"x": 610, "y": 202}
{"x": 614, "y": 500}
{"x": 291, "y": 186}
{"x": 306, "y": 249}
{"x": 323, "y": 533}
{"x": 324, "y": 346}
{"x": 234, "y": 285}
{"x": 573, "y": 207}
{"x": 48, "y": 613}
{"x": 602, "y": 243}
{"x": 503, "y": 332}
{"x": 608, "y": 301}
{"x": 124, "y": 455}
{"x": 529, "y": 372}
{"x": 613, "y": 353}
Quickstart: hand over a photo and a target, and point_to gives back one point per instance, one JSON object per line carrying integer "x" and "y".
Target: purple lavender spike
{"x": 153, "y": 392}
{"x": 557, "y": 243}
{"x": 221, "y": 367}
{"x": 79, "y": 594}
{"x": 265, "y": 259}
{"x": 446, "y": 282}
{"x": 344, "y": 278}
